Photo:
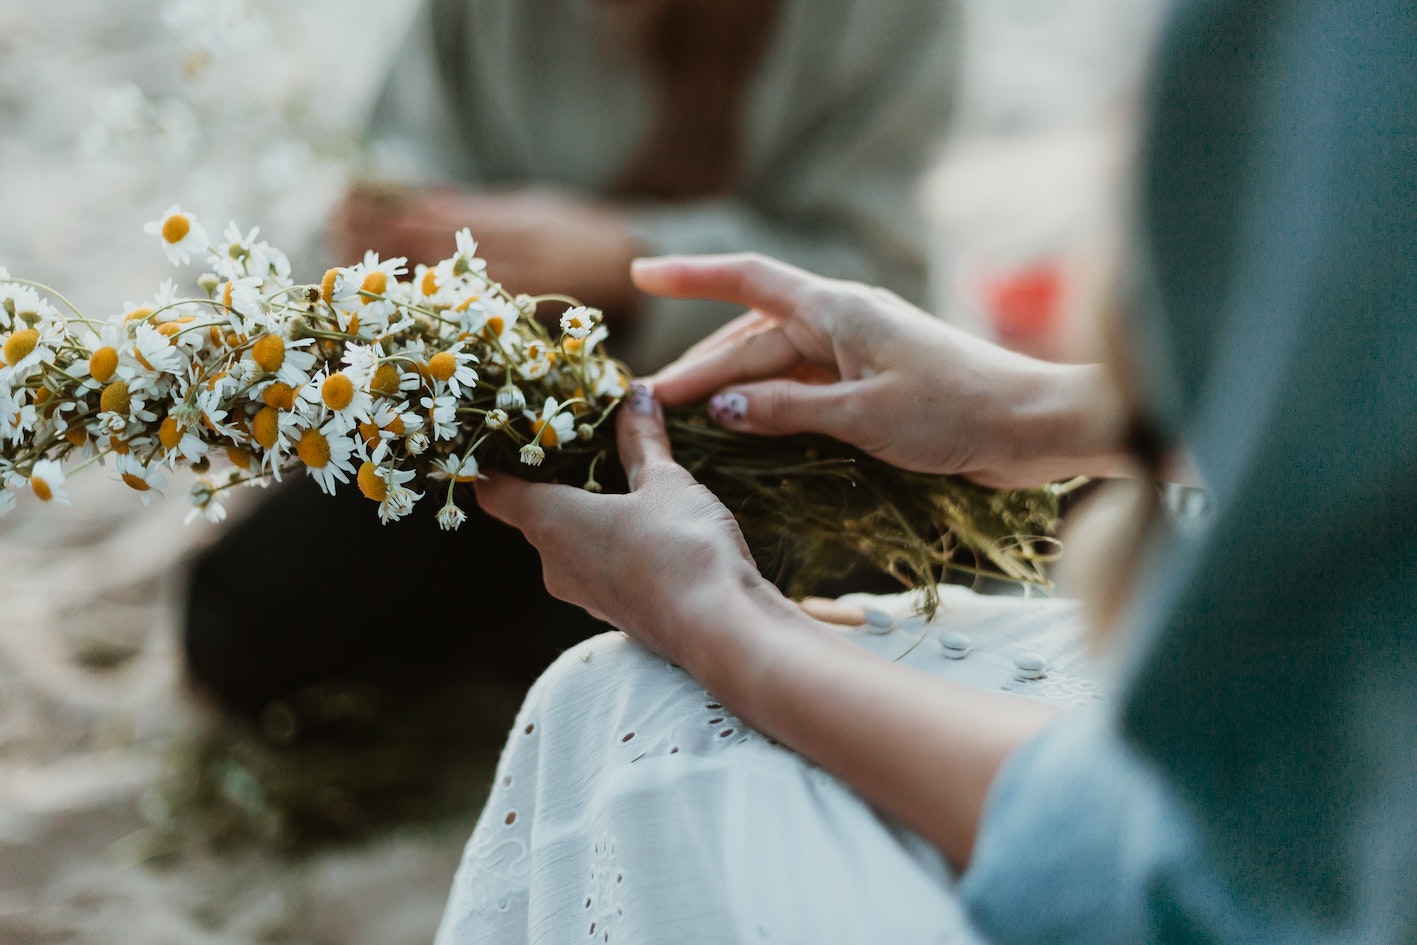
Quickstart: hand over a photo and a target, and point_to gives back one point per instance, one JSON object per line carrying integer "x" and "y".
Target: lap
{"x": 631, "y": 807}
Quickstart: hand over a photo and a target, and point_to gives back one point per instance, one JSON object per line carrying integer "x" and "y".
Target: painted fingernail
{"x": 641, "y": 398}
{"x": 728, "y": 408}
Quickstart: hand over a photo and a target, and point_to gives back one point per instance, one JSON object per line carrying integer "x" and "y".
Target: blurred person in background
{"x": 571, "y": 136}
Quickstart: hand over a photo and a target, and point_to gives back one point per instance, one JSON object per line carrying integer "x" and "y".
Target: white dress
{"x": 629, "y": 806}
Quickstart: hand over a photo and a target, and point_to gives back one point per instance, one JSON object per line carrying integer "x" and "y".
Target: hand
{"x": 862, "y": 365}
{"x": 534, "y": 240}
{"x": 660, "y": 562}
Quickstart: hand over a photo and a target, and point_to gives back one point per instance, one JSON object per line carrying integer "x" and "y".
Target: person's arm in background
{"x": 845, "y": 113}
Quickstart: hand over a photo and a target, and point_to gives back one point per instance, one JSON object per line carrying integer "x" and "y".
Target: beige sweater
{"x": 844, "y": 112}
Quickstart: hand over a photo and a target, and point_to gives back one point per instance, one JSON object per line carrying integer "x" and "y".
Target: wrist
{"x": 740, "y": 636}
{"x": 1072, "y": 423}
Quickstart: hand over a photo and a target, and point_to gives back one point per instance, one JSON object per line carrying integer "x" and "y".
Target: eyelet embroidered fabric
{"x": 630, "y": 807}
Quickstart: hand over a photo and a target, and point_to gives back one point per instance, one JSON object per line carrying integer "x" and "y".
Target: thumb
{"x": 640, "y": 433}
{"x": 783, "y": 407}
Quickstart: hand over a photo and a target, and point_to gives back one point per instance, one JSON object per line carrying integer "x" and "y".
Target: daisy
{"x": 398, "y": 502}
{"x": 389, "y": 422}
{"x": 326, "y": 454}
{"x": 450, "y": 517}
{"x": 454, "y": 368}
{"x": 539, "y": 360}
{"x": 457, "y": 469}
{"x": 179, "y": 441}
{"x": 577, "y": 322}
{"x": 552, "y": 428}
{"x": 156, "y": 355}
{"x": 143, "y": 479}
{"x": 338, "y": 396}
{"x": 182, "y": 235}
{"x": 206, "y": 502}
{"x": 463, "y": 263}
{"x": 282, "y": 357}
{"x": 442, "y": 415}
{"x": 47, "y": 481}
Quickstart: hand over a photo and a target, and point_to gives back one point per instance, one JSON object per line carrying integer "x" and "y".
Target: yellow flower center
{"x": 174, "y": 230}
{"x": 118, "y": 445}
{"x": 338, "y": 391}
{"x": 279, "y": 395}
{"x": 327, "y": 285}
{"x": 549, "y": 439}
{"x": 240, "y": 457}
{"x": 386, "y": 380}
{"x": 313, "y": 449}
{"x": 42, "y": 395}
{"x": 102, "y": 364}
{"x": 353, "y": 327}
{"x": 135, "y": 481}
{"x": 19, "y": 345}
{"x": 41, "y": 488}
{"x": 443, "y": 365}
{"x": 375, "y": 283}
{"x": 495, "y": 326}
{"x": 265, "y": 427}
{"x": 142, "y": 312}
{"x": 169, "y": 434}
{"x": 370, "y": 484}
{"x": 428, "y": 285}
{"x": 396, "y": 428}
{"x": 76, "y": 435}
{"x": 573, "y": 345}
{"x": 115, "y": 397}
{"x": 226, "y": 293}
{"x": 269, "y": 352}
{"x": 169, "y": 329}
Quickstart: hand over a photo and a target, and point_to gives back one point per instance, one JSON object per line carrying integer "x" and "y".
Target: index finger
{"x": 746, "y": 279}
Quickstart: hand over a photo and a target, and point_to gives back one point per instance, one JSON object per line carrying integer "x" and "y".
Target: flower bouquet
{"x": 405, "y": 384}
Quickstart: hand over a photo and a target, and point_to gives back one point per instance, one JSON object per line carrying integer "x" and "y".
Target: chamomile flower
{"x": 47, "y": 482}
{"x": 496, "y": 418}
{"x": 462, "y": 264}
{"x": 453, "y": 367}
{"x": 144, "y": 479}
{"x": 539, "y": 360}
{"x": 179, "y": 441}
{"x": 182, "y": 236}
{"x": 510, "y": 397}
{"x": 287, "y": 359}
{"x": 337, "y": 396}
{"x": 450, "y": 517}
{"x": 577, "y": 322}
{"x": 456, "y": 468}
{"x": 492, "y": 319}
{"x": 155, "y": 355}
{"x": 326, "y": 454}
{"x": 553, "y": 426}
{"x": 206, "y": 502}
{"x": 442, "y": 413}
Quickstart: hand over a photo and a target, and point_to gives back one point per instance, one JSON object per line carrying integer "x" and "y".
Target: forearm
{"x": 919, "y": 748}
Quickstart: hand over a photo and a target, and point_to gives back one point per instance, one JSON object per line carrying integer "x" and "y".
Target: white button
{"x": 954, "y": 645}
{"x": 1030, "y": 666}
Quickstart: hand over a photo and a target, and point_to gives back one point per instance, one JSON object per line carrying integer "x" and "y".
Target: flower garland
{"x": 403, "y": 385}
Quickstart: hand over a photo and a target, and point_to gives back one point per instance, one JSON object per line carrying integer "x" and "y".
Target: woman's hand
{"x": 535, "y": 240}
{"x": 862, "y": 365}
{"x": 660, "y": 562}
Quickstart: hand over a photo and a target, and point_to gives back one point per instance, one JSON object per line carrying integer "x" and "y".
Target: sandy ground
{"x": 95, "y": 717}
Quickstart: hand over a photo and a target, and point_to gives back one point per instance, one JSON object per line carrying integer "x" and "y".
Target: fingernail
{"x": 641, "y": 398}
{"x": 728, "y": 408}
